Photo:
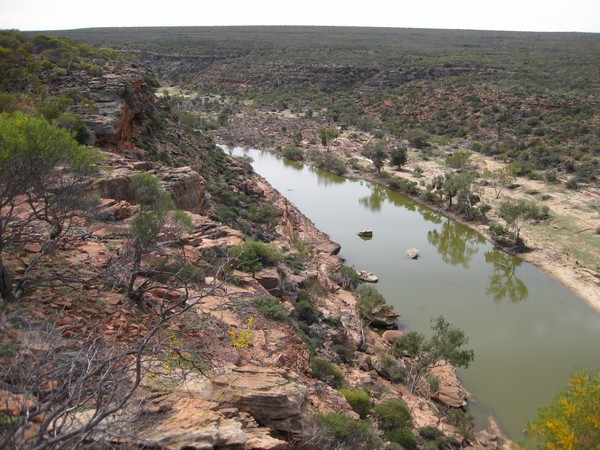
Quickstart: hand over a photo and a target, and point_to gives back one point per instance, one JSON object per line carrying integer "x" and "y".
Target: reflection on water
{"x": 454, "y": 245}
{"x": 374, "y": 201}
{"x": 504, "y": 282}
{"x": 292, "y": 164}
{"x": 528, "y": 332}
{"x": 326, "y": 178}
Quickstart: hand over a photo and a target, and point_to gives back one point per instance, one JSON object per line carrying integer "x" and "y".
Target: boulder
{"x": 363, "y": 361}
{"x": 271, "y": 396}
{"x": 450, "y": 391}
{"x": 187, "y": 188}
{"x": 392, "y": 335}
{"x": 382, "y": 317}
{"x": 269, "y": 279}
{"x": 412, "y": 253}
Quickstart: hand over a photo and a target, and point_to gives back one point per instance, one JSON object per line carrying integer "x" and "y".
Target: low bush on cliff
{"x": 346, "y": 277}
{"x": 371, "y": 303}
{"x": 359, "y": 400}
{"x": 337, "y": 431}
{"x": 402, "y": 436}
{"x": 326, "y": 371}
{"x": 253, "y": 256}
{"x": 392, "y": 413}
{"x": 270, "y": 307}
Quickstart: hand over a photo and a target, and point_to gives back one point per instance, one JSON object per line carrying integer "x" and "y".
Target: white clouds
{"x": 524, "y": 15}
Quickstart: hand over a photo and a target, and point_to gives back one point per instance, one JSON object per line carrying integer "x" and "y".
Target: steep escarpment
{"x": 231, "y": 328}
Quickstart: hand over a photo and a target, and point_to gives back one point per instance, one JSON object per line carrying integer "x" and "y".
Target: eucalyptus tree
{"x": 43, "y": 170}
{"x": 444, "y": 346}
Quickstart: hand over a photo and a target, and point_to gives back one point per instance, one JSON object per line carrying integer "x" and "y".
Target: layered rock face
{"x": 261, "y": 390}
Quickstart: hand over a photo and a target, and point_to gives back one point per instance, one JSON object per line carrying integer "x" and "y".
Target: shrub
{"x": 252, "y": 256}
{"x": 264, "y": 214}
{"x": 270, "y": 307}
{"x": 306, "y": 312}
{"x": 76, "y": 126}
{"x": 463, "y": 422}
{"x": 402, "y": 185}
{"x": 430, "y": 433}
{"x": 326, "y": 371}
{"x": 331, "y": 164}
{"x": 392, "y": 369}
{"x": 571, "y": 419}
{"x": 459, "y": 159}
{"x": 402, "y": 436}
{"x": 345, "y": 353}
{"x": 293, "y": 153}
{"x": 337, "y": 431}
{"x": 572, "y": 184}
{"x": 501, "y": 235}
{"x": 437, "y": 439}
{"x": 359, "y": 400}
{"x": 398, "y": 156}
{"x": 392, "y": 413}
{"x": 346, "y": 277}
{"x": 371, "y": 303}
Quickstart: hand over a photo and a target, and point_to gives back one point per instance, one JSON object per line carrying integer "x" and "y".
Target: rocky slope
{"x": 216, "y": 372}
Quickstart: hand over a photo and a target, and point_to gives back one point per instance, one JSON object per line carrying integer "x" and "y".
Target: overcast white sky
{"x": 520, "y": 15}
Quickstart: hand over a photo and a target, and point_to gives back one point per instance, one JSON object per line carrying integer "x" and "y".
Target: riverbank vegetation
{"x": 525, "y": 103}
{"x": 366, "y": 102}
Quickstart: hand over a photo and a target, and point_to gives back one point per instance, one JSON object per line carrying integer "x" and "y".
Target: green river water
{"x": 528, "y": 332}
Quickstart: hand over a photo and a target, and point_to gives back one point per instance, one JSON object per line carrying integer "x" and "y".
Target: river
{"x": 528, "y": 332}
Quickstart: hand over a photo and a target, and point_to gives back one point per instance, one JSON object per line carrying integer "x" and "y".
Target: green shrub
{"x": 331, "y": 164}
{"x": 402, "y": 436}
{"x": 346, "y": 277}
{"x": 306, "y": 312}
{"x": 253, "y": 256}
{"x": 270, "y": 307}
{"x": 326, "y": 371}
{"x": 572, "y": 184}
{"x": 345, "y": 353}
{"x": 292, "y": 152}
{"x": 359, "y": 400}
{"x": 501, "y": 235}
{"x": 392, "y": 370}
{"x": 459, "y": 159}
{"x": 75, "y": 125}
{"x": 392, "y": 413}
{"x": 370, "y": 300}
{"x": 430, "y": 433}
{"x": 437, "y": 440}
{"x": 463, "y": 422}
{"x": 264, "y": 214}
{"x": 403, "y": 185}
{"x": 340, "y": 432}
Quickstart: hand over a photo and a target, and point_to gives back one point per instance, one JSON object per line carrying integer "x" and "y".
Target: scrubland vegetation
{"x": 530, "y": 101}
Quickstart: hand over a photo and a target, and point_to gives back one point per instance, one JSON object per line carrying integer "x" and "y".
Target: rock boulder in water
{"x": 412, "y": 253}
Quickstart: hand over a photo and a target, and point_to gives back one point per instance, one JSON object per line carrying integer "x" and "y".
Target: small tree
{"x": 327, "y": 134}
{"x": 156, "y": 217}
{"x": 444, "y": 346}
{"x": 499, "y": 179}
{"x": 458, "y": 186}
{"x": 399, "y": 157}
{"x": 572, "y": 421}
{"x": 459, "y": 159}
{"x": 516, "y": 213}
{"x": 42, "y": 172}
{"x": 376, "y": 152}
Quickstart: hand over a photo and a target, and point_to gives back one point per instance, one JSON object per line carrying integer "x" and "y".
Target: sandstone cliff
{"x": 204, "y": 387}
